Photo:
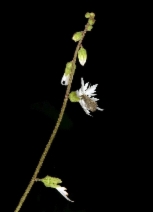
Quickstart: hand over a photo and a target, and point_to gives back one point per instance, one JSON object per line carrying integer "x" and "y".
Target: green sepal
{"x": 68, "y": 68}
{"x": 73, "y": 97}
{"x": 50, "y": 181}
{"x": 69, "y": 65}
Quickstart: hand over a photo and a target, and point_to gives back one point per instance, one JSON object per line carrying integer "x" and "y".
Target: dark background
{"x": 90, "y": 154}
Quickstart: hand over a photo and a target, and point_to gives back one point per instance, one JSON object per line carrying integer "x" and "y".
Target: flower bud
{"x": 89, "y": 28}
{"x": 82, "y": 56}
{"x": 77, "y": 36}
{"x": 69, "y": 65}
{"x": 91, "y": 21}
{"x": 87, "y": 15}
{"x": 92, "y": 15}
{"x": 66, "y": 76}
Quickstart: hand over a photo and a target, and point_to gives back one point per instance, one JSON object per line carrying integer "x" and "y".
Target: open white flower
{"x": 63, "y": 192}
{"x": 87, "y": 101}
{"x": 53, "y": 182}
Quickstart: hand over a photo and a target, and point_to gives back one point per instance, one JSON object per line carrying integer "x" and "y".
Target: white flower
{"x": 65, "y": 79}
{"x": 87, "y": 101}
{"x": 63, "y": 192}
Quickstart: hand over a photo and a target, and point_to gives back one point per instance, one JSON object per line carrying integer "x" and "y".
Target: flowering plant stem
{"x": 40, "y": 163}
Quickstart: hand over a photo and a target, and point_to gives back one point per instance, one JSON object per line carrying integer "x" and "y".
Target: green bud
{"x": 77, "y": 36}
{"x": 73, "y": 97}
{"x": 89, "y": 28}
{"x": 67, "y": 71}
{"x": 69, "y": 65}
{"x": 82, "y": 56}
{"x": 92, "y": 15}
{"x": 51, "y": 181}
{"x": 87, "y": 15}
{"x": 91, "y": 21}
{"x": 68, "y": 68}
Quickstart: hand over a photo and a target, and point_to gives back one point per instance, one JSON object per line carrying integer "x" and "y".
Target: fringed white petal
{"x": 94, "y": 99}
{"x": 79, "y": 93}
{"x": 82, "y": 82}
{"x": 83, "y": 105}
{"x": 91, "y": 94}
{"x": 91, "y": 90}
{"x": 64, "y": 193}
{"x": 88, "y": 91}
{"x": 98, "y": 108}
{"x": 85, "y": 86}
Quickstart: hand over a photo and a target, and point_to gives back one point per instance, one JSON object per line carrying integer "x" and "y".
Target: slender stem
{"x": 40, "y": 163}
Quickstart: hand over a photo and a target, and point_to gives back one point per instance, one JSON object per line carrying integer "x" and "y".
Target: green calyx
{"x": 69, "y": 65}
{"x": 73, "y": 97}
{"x": 68, "y": 68}
{"x": 50, "y": 181}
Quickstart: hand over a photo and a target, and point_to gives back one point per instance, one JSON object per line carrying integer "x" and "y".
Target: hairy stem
{"x": 40, "y": 163}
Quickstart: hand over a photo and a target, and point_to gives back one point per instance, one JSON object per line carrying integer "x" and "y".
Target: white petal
{"x": 85, "y": 86}
{"x": 82, "y": 62}
{"x": 89, "y": 95}
{"x": 82, "y": 82}
{"x": 98, "y": 108}
{"x": 83, "y": 105}
{"x": 65, "y": 79}
{"x": 91, "y": 90}
{"x": 94, "y": 99}
{"x": 63, "y": 192}
{"x": 79, "y": 93}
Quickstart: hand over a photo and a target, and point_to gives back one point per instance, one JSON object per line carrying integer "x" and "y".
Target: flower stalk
{"x": 44, "y": 154}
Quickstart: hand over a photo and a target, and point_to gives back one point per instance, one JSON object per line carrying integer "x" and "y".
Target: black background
{"x": 92, "y": 156}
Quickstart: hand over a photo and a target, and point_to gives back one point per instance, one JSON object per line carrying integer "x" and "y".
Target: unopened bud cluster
{"x": 91, "y": 21}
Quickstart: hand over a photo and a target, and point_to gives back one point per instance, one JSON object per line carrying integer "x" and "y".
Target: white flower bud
{"x": 82, "y": 56}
